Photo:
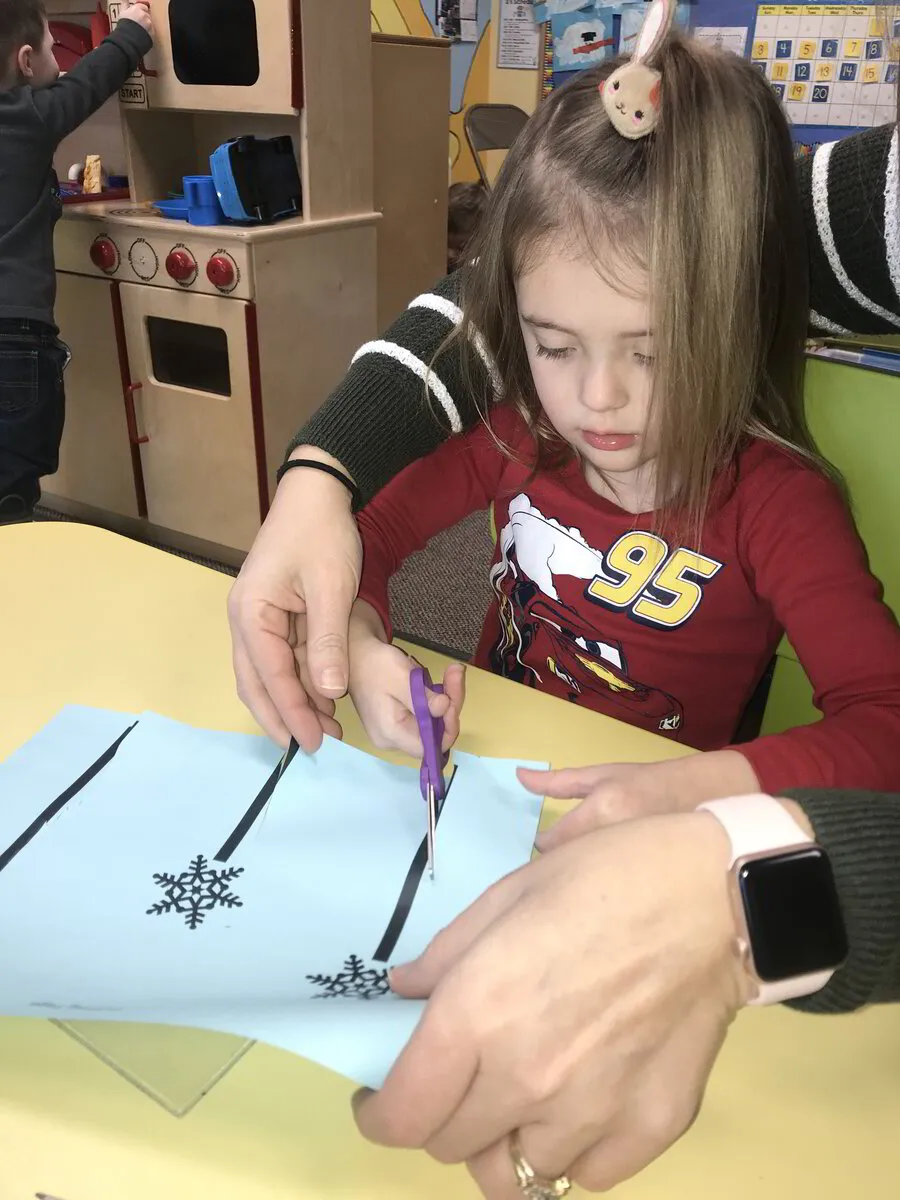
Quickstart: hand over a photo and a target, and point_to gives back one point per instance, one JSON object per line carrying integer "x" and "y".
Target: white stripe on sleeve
{"x": 425, "y": 373}
{"x": 823, "y": 224}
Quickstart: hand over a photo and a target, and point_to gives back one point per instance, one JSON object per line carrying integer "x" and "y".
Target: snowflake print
{"x": 356, "y": 981}
{"x": 196, "y": 892}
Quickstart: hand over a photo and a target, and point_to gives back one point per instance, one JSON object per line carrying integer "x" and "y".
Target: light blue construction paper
{"x": 314, "y": 882}
{"x": 54, "y": 758}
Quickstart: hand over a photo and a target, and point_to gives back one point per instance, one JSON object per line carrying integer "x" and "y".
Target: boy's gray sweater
{"x": 33, "y": 121}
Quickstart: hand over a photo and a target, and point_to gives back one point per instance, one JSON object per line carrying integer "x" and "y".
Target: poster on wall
{"x": 585, "y": 32}
{"x": 582, "y": 39}
{"x": 468, "y": 20}
{"x": 724, "y": 37}
{"x": 633, "y": 16}
{"x": 830, "y": 64}
{"x": 550, "y": 8}
{"x": 519, "y": 36}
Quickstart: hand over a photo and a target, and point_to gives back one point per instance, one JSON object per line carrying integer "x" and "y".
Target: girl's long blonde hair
{"x": 708, "y": 205}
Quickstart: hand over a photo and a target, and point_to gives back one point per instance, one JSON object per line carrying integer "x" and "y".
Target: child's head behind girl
{"x": 26, "y": 45}
{"x": 645, "y": 301}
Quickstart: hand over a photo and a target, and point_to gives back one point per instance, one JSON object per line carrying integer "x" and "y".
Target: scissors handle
{"x": 432, "y": 731}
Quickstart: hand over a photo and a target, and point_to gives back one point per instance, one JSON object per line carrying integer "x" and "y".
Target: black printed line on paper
{"x": 57, "y": 805}
{"x": 408, "y": 891}
{"x": 251, "y": 816}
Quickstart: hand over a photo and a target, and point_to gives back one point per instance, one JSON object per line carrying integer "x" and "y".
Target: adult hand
{"x": 582, "y": 1001}
{"x": 290, "y": 607}
{"x": 614, "y": 792}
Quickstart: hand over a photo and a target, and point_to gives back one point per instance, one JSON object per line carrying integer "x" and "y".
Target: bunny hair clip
{"x": 631, "y": 95}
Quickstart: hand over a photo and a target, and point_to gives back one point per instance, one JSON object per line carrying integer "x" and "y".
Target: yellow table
{"x": 799, "y": 1108}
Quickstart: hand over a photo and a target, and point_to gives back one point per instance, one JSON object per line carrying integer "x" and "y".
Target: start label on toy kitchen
{"x": 134, "y": 93}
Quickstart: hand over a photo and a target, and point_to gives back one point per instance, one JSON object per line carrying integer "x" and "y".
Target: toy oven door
{"x": 235, "y": 56}
{"x": 191, "y": 362}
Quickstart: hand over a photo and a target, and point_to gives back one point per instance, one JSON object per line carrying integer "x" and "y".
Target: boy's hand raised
{"x": 140, "y": 14}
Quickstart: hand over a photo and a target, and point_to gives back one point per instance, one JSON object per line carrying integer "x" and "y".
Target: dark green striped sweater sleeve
{"x": 861, "y": 832}
{"x": 402, "y": 396}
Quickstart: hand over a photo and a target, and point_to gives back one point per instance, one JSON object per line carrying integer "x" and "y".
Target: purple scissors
{"x": 431, "y": 777}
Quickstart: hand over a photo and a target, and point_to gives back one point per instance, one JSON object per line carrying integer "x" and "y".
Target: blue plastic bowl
{"x": 174, "y": 210}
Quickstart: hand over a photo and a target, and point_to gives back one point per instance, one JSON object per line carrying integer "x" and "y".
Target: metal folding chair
{"x": 492, "y": 127}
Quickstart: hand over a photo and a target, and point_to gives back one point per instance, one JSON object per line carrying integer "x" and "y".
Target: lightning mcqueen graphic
{"x": 540, "y": 632}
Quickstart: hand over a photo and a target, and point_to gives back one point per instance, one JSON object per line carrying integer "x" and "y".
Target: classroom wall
{"x": 476, "y": 79}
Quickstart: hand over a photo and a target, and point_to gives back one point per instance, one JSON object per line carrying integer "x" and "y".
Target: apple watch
{"x": 791, "y": 932}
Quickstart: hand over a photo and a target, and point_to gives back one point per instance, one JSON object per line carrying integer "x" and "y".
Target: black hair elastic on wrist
{"x": 320, "y": 466}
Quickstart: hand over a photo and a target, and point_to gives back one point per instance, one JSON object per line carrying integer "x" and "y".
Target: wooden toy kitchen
{"x": 208, "y": 319}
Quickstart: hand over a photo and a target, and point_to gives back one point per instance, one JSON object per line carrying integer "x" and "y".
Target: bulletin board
{"x": 833, "y": 66}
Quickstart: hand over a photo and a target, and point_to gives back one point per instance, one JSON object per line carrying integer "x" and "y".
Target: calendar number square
{"x": 875, "y": 49}
{"x": 824, "y": 72}
{"x": 802, "y": 70}
{"x": 820, "y": 93}
{"x": 852, "y": 47}
{"x": 760, "y": 50}
{"x": 829, "y": 48}
{"x": 807, "y": 49}
{"x": 783, "y": 48}
{"x": 780, "y": 70}
{"x": 871, "y": 73}
{"x": 848, "y": 72}
{"x": 797, "y": 92}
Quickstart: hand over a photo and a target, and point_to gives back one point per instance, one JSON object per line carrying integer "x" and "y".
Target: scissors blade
{"x": 432, "y": 825}
{"x": 431, "y": 774}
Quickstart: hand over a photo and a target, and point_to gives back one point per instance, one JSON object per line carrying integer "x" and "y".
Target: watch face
{"x": 793, "y": 914}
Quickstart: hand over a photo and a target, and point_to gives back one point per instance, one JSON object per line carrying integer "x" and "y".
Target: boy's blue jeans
{"x": 32, "y": 412}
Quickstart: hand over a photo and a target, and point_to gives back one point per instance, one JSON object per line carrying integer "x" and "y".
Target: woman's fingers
{"x": 254, "y": 696}
{"x": 548, "y": 1149}
{"x": 425, "y": 1086}
{"x": 589, "y": 815}
{"x": 271, "y": 682}
{"x": 329, "y": 598}
{"x": 305, "y": 559}
{"x": 572, "y": 783}
{"x": 418, "y": 979}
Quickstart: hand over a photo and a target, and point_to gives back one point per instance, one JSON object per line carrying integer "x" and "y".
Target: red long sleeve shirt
{"x": 592, "y": 605}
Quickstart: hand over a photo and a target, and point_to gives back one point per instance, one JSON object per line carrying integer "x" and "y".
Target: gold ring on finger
{"x": 532, "y": 1185}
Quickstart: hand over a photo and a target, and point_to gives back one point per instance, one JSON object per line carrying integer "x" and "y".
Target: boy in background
{"x": 467, "y": 202}
{"x": 37, "y": 110}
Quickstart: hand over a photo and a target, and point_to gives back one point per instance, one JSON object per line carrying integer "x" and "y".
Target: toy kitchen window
{"x": 186, "y": 355}
{"x": 237, "y": 56}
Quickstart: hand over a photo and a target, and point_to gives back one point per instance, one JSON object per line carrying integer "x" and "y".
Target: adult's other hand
{"x": 582, "y": 1001}
{"x": 289, "y": 609}
{"x": 614, "y": 792}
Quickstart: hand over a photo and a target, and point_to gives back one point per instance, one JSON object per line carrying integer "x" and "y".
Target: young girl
{"x": 639, "y": 294}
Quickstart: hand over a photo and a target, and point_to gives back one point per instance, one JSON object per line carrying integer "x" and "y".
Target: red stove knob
{"x": 181, "y": 266}
{"x": 105, "y": 255}
{"x": 221, "y": 273}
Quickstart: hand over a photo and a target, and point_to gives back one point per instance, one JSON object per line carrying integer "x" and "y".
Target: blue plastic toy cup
{"x": 202, "y": 202}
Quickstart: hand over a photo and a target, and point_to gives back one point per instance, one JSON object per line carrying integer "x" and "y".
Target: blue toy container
{"x": 198, "y": 206}
{"x": 203, "y": 203}
{"x": 257, "y": 179}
